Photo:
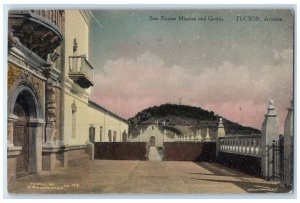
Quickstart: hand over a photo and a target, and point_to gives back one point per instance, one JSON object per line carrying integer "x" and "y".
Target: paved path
{"x": 144, "y": 177}
{"x": 153, "y": 154}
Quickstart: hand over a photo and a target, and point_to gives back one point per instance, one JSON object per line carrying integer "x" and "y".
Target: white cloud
{"x": 128, "y": 86}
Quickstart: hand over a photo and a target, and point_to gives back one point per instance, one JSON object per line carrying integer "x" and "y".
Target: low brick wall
{"x": 189, "y": 151}
{"x": 247, "y": 164}
{"x": 120, "y": 150}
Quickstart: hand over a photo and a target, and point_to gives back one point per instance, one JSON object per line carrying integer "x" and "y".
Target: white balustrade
{"x": 241, "y": 144}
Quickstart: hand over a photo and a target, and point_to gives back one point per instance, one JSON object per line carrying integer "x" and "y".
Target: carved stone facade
{"x": 33, "y": 91}
{"x": 13, "y": 74}
{"x": 18, "y": 76}
{"x": 25, "y": 65}
{"x": 41, "y": 93}
{"x": 53, "y": 137}
{"x": 34, "y": 30}
{"x": 25, "y": 91}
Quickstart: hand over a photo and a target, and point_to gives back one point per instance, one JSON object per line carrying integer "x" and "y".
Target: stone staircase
{"x": 153, "y": 154}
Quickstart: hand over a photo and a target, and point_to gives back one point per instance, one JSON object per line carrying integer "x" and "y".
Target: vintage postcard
{"x": 157, "y": 101}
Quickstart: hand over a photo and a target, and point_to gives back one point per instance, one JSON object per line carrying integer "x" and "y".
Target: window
{"x": 124, "y": 136}
{"x": 109, "y": 136}
{"x": 92, "y": 134}
{"x": 101, "y": 134}
{"x": 115, "y": 136}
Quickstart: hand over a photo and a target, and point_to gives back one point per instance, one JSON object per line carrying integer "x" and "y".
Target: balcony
{"x": 38, "y": 30}
{"x": 81, "y": 71}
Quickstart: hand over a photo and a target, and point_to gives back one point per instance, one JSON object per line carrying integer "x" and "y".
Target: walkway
{"x": 144, "y": 177}
{"x": 153, "y": 154}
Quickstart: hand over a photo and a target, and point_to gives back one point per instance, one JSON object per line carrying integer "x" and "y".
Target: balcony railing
{"x": 54, "y": 16}
{"x": 244, "y": 145}
{"x": 81, "y": 71}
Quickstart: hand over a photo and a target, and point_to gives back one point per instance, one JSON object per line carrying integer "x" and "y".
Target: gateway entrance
{"x": 24, "y": 133}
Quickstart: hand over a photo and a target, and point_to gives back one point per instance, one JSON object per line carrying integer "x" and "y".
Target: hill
{"x": 184, "y": 118}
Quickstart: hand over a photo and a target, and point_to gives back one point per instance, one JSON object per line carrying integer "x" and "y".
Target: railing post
{"x": 83, "y": 65}
{"x": 244, "y": 142}
{"x": 207, "y": 137}
{"x": 220, "y": 133}
{"x": 269, "y": 132}
{"x": 254, "y": 147}
{"x": 75, "y": 64}
{"x": 288, "y": 148}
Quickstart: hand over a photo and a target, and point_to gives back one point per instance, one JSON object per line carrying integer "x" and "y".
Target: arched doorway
{"x": 25, "y": 131}
{"x": 21, "y": 135}
{"x": 152, "y": 141}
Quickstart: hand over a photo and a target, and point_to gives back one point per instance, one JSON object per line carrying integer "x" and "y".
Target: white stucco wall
{"x": 75, "y": 27}
{"x": 87, "y": 115}
{"x": 152, "y": 130}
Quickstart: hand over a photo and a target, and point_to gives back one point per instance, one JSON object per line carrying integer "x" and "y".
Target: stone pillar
{"x": 269, "y": 132}
{"x": 12, "y": 153}
{"x": 288, "y": 148}
{"x": 50, "y": 160}
{"x": 10, "y": 128}
{"x": 220, "y": 133}
{"x": 200, "y": 135}
{"x": 207, "y": 137}
{"x": 221, "y": 130}
{"x": 53, "y": 137}
{"x": 36, "y": 134}
{"x": 53, "y": 145}
{"x": 39, "y": 145}
{"x": 90, "y": 148}
{"x": 51, "y": 131}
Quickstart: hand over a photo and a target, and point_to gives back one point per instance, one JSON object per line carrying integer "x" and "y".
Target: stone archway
{"x": 21, "y": 134}
{"x": 152, "y": 141}
{"x": 26, "y": 131}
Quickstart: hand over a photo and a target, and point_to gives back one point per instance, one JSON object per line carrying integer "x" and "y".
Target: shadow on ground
{"x": 244, "y": 181}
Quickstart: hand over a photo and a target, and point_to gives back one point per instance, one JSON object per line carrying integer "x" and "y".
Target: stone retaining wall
{"x": 120, "y": 150}
{"x": 189, "y": 151}
{"x": 247, "y": 164}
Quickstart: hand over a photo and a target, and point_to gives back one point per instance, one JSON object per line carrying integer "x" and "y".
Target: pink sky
{"x": 239, "y": 93}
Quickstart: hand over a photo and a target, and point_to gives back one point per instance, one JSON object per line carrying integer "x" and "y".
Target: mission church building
{"x": 51, "y": 120}
{"x": 155, "y": 134}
